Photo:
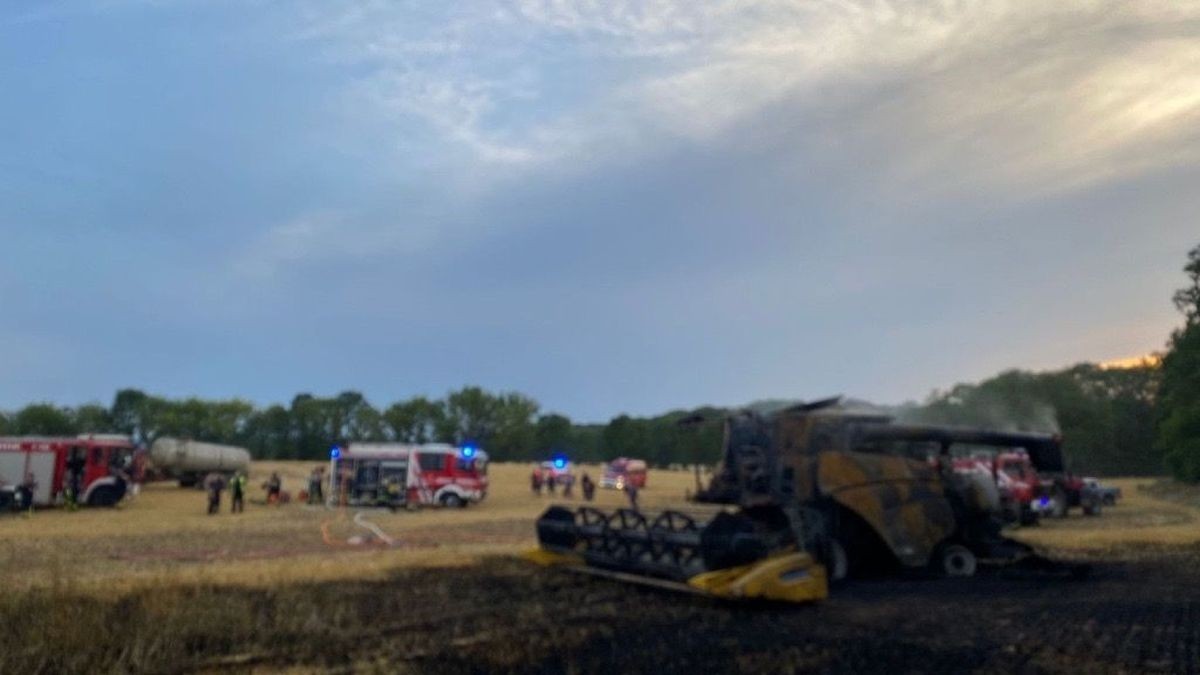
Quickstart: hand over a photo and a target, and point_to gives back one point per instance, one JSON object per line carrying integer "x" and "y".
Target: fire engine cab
{"x": 94, "y": 470}
{"x": 395, "y": 474}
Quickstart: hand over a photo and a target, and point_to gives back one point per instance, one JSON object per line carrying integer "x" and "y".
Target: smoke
{"x": 980, "y": 409}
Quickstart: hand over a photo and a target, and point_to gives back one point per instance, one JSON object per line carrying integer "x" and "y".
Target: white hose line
{"x": 361, "y": 521}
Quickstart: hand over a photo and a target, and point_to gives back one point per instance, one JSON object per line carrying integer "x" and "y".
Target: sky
{"x": 611, "y": 206}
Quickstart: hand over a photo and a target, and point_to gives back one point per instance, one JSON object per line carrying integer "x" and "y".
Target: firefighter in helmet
{"x": 237, "y": 492}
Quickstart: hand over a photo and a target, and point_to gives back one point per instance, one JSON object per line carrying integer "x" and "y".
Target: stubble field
{"x": 158, "y": 586}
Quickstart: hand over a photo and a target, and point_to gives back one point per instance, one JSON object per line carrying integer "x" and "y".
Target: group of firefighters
{"x": 550, "y": 480}
{"x": 216, "y": 482}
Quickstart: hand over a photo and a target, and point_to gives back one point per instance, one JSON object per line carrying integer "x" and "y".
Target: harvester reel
{"x": 592, "y": 525}
{"x": 674, "y": 537}
{"x": 627, "y": 536}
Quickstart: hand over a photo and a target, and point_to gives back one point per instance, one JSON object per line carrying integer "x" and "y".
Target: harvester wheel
{"x": 1091, "y": 508}
{"x": 955, "y": 560}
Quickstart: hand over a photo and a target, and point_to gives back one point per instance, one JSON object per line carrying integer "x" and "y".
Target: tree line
{"x": 1135, "y": 420}
{"x": 509, "y": 426}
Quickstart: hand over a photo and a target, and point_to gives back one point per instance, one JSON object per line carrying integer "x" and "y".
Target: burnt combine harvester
{"x": 808, "y": 496}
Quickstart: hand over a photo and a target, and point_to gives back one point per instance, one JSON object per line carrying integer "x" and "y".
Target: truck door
{"x": 41, "y": 465}
{"x": 366, "y": 480}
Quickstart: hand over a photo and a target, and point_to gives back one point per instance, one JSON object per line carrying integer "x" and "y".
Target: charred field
{"x": 157, "y": 587}
{"x": 1137, "y": 615}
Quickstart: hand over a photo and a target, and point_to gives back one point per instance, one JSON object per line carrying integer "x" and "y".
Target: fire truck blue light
{"x": 468, "y": 451}
{"x": 335, "y": 452}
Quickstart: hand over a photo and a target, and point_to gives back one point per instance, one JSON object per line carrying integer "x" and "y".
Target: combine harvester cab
{"x": 811, "y": 494}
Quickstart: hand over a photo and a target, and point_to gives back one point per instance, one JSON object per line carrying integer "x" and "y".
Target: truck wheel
{"x": 104, "y": 496}
{"x": 1091, "y": 508}
{"x": 955, "y": 560}
{"x": 452, "y": 500}
{"x": 1110, "y": 500}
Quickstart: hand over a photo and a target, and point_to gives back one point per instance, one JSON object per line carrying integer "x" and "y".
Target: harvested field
{"x": 268, "y": 595}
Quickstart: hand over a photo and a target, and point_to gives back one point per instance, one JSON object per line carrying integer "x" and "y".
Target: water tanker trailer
{"x": 189, "y": 461}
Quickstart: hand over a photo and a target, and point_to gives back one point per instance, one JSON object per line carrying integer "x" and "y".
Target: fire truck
{"x": 395, "y": 474}
{"x": 92, "y": 470}
{"x": 623, "y": 471}
{"x": 1023, "y": 495}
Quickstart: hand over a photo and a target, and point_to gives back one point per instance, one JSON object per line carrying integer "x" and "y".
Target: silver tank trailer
{"x": 190, "y": 461}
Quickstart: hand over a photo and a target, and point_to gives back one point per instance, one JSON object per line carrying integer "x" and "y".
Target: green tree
{"x": 1179, "y": 396}
{"x": 311, "y": 436}
{"x": 417, "y": 420}
{"x": 553, "y": 432}
{"x": 92, "y": 418}
{"x": 130, "y": 410}
{"x": 44, "y": 419}
{"x": 268, "y": 433}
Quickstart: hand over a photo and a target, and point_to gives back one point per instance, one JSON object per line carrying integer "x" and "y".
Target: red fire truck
{"x": 396, "y": 474}
{"x": 1022, "y": 493}
{"x": 94, "y": 470}
{"x": 623, "y": 471}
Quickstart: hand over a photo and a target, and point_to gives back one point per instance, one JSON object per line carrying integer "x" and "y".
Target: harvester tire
{"x": 1092, "y": 508}
{"x": 955, "y": 560}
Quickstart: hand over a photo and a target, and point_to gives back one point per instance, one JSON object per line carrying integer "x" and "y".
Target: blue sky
{"x": 610, "y": 206}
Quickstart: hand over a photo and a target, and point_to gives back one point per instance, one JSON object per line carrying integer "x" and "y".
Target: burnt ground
{"x": 1141, "y": 614}
{"x": 1135, "y": 616}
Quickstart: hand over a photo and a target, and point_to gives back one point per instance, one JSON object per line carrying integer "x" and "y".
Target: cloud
{"x": 1038, "y": 92}
{"x": 914, "y": 103}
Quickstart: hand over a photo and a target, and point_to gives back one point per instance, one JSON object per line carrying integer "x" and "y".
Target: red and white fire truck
{"x": 396, "y": 474}
{"x": 1021, "y": 490}
{"x": 623, "y": 471}
{"x": 92, "y": 470}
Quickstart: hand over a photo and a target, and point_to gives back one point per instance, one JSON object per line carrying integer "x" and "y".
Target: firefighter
{"x": 588, "y": 487}
{"x": 273, "y": 486}
{"x": 314, "y": 485}
{"x": 631, "y": 491}
{"x": 215, "y": 484}
{"x": 237, "y": 492}
{"x": 26, "y": 491}
{"x": 568, "y": 483}
{"x": 535, "y": 481}
{"x": 392, "y": 493}
{"x": 550, "y": 481}
{"x": 76, "y": 462}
